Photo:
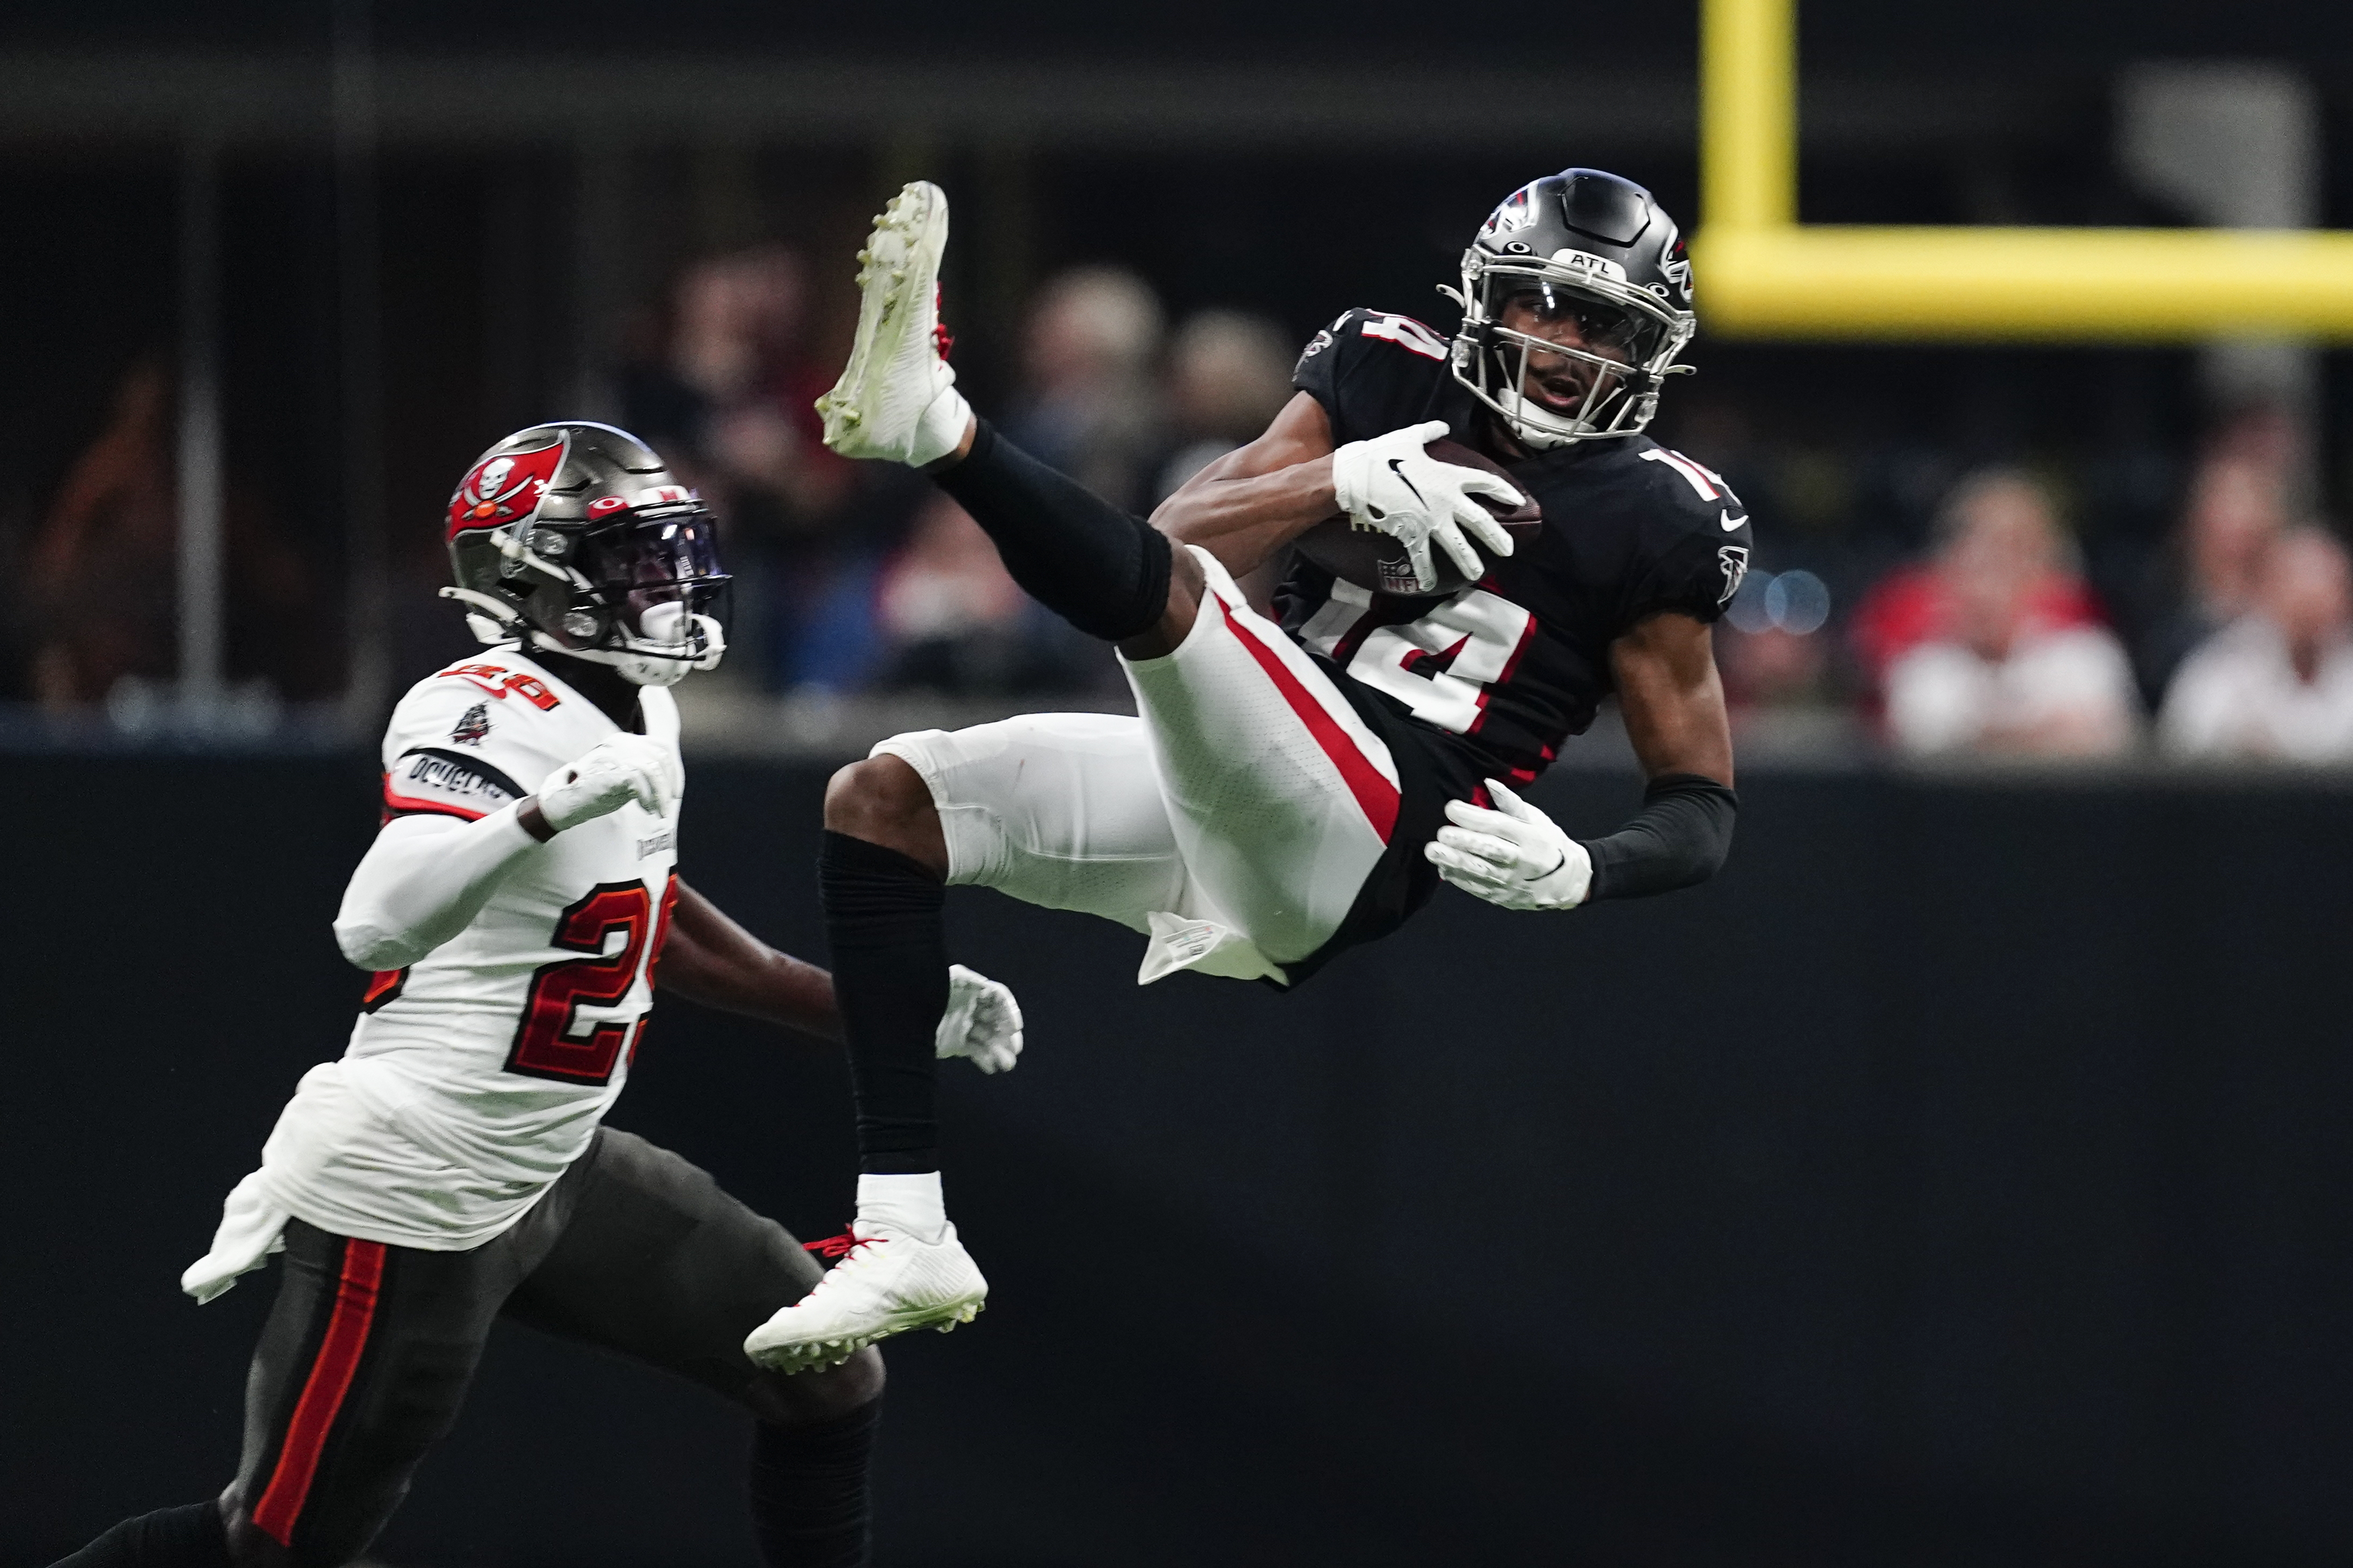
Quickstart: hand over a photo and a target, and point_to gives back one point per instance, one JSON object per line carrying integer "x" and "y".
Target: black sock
{"x": 187, "y": 1537}
{"x": 1104, "y": 570}
{"x": 890, "y": 981}
{"x": 809, "y": 1491}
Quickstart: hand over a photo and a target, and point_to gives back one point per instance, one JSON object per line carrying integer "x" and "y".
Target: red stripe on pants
{"x": 322, "y": 1395}
{"x": 1375, "y": 795}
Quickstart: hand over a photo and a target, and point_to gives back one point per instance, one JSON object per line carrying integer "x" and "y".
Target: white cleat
{"x": 897, "y": 399}
{"x": 890, "y": 1283}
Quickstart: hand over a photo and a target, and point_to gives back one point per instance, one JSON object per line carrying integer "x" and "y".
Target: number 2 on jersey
{"x": 547, "y": 1043}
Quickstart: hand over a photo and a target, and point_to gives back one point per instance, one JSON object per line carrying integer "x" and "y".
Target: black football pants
{"x": 367, "y": 1354}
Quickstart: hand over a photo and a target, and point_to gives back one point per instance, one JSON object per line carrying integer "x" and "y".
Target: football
{"x": 1371, "y": 559}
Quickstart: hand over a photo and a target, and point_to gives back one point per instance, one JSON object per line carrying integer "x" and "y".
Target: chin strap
{"x": 493, "y": 620}
{"x": 714, "y": 642}
{"x": 644, "y": 668}
{"x": 489, "y": 618}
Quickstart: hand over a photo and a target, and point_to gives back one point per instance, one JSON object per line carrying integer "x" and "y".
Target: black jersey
{"x": 1499, "y": 675}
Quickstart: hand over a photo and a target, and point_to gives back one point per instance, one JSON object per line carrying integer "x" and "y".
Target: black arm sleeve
{"x": 1679, "y": 837}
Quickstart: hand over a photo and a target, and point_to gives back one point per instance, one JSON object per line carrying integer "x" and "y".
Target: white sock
{"x": 939, "y": 429}
{"x": 909, "y": 1204}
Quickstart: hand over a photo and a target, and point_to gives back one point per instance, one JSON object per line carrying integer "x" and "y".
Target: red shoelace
{"x": 840, "y": 1245}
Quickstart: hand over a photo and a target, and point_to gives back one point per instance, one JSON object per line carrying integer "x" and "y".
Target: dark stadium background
{"x": 1960, "y": 1180}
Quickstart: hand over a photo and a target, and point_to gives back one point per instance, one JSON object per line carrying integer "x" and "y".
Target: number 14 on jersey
{"x": 1442, "y": 664}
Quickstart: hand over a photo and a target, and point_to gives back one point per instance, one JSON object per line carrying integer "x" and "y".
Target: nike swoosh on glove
{"x": 983, "y": 1022}
{"x": 1392, "y": 484}
{"x": 1514, "y": 856}
{"x": 607, "y": 776}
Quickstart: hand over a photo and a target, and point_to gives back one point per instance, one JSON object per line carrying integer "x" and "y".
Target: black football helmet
{"x": 1586, "y": 244}
{"x": 575, "y": 538}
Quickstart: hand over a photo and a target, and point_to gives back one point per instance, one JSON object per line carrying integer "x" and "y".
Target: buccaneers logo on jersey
{"x": 501, "y": 489}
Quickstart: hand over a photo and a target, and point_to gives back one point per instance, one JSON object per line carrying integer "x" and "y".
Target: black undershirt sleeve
{"x": 1680, "y": 836}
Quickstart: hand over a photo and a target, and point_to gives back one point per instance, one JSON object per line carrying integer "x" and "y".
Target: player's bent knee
{"x": 884, "y": 801}
{"x": 807, "y": 1398}
{"x": 876, "y": 799}
{"x": 1188, "y": 585}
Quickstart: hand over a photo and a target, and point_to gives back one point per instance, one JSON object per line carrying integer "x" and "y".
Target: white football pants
{"x": 1233, "y": 821}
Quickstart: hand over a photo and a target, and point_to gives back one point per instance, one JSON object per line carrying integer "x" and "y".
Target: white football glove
{"x": 983, "y": 1022}
{"x": 606, "y": 776}
{"x": 1514, "y": 856}
{"x": 1392, "y": 484}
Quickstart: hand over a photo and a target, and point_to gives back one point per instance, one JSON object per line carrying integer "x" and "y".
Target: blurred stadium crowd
{"x": 2192, "y": 603}
{"x": 855, "y": 577}
{"x": 2188, "y": 603}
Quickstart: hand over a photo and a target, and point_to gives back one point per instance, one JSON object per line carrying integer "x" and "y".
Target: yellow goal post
{"x": 1762, "y": 274}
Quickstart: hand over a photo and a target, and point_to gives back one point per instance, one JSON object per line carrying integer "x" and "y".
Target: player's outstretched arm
{"x": 708, "y": 959}
{"x": 429, "y": 875}
{"x": 422, "y": 881}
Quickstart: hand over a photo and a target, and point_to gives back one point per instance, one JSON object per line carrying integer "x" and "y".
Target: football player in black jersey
{"x": 1288, "y": 791}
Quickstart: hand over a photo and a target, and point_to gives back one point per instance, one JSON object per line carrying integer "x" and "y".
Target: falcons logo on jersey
{"x": 1733, "y": 560}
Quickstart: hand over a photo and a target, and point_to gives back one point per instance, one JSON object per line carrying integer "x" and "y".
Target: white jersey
{"x": 477, "y": 1075}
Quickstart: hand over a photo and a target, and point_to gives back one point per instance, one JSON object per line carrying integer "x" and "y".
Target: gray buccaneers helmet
{"x": 1587, "y": 245}
{"x": 576, "y": 539}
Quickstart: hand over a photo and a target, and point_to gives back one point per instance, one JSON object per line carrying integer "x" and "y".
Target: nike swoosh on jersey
{"x": 1731, "y": 522}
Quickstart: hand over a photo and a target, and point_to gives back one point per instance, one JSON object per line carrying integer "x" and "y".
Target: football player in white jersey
{"x": 451, "y": 1167}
